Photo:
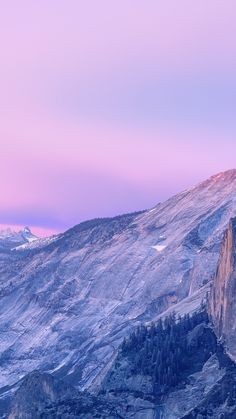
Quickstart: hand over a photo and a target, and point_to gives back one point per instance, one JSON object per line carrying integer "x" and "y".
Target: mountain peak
{"x": 27, "y": 230}
{"x": 10, "y": 237}
{"x": 28, "y": 235}
{"x": 222, "y": 182}
{"x": 228, "y": 174}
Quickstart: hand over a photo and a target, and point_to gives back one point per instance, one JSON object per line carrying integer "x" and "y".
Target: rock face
{"x": 205, "y": 388}
{"x": 67, "y": 302}
{"x": 41, "y": 396}
{"x": 223, "y": 292}
{"x": 35, "y": 392}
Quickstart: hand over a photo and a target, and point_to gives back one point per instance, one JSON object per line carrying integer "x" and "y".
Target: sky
{"x": 108, "y": 107}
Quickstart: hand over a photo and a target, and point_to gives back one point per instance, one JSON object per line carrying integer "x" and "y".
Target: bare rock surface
{"x": 67, "y": 302}
{"x": 223, "y": 292}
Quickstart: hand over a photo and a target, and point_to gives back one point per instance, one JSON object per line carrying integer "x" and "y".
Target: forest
{"x": 170, "y": 349}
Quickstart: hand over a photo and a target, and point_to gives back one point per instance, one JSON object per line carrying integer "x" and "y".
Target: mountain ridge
{"x": 79, "y": 294}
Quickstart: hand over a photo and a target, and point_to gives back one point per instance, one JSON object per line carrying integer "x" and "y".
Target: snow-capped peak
{"x": 28, "y": 235}
{"x": 10, "y": 238}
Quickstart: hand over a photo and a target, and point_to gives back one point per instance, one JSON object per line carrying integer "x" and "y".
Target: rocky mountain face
{"x": 205, "y": 386}
{"x": 41, "y": 396}
{"x": 67, "y": 302}
{"x": 145, "y": 382}
{"x": 36, "y": 391}
{"x": 223, "y": 292}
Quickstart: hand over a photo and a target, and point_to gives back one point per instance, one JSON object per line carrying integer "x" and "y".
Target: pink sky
{"x": 108, "y": 107}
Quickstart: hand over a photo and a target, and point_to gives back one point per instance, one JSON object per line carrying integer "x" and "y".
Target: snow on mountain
{"x": 6, "y": 233}
{"x": 67, "y": 304}
{"x": 159, "y": 247}
{"x": 28, "y": 236}
{"x": 10, "y": 238}
{"x": 36, "y": 243}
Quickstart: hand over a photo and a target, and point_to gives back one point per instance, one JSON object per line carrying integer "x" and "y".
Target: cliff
{"x": 223, "y": 293}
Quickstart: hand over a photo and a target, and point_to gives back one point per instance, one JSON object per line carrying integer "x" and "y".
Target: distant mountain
{"x": 67, "y": 302}
{"x": 28, "y": 235}
{"x": 10, "y": 238}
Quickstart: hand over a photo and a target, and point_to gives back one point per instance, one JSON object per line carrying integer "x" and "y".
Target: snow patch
{"x": 38, "y": 243}
{"x": 62, "y": 363}
{"x": 159, "y": 247}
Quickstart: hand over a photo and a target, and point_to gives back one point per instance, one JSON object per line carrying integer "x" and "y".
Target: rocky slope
{"x": 41, "y": 396}
{"x": 204, "y": 388}
{"x": 66, "y": 303}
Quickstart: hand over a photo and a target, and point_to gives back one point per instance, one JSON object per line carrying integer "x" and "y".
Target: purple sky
{"x": 111, "y": 106}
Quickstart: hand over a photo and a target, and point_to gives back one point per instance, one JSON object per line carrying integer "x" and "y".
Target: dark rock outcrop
{"x": 36, "y": 391}
{"x": 42, "y": 396}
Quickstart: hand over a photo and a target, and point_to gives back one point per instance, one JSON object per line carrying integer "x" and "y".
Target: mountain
{"x": 67, "y": 302}
{"x": 10, "y": 239}
{"x": 28, "y": 236}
